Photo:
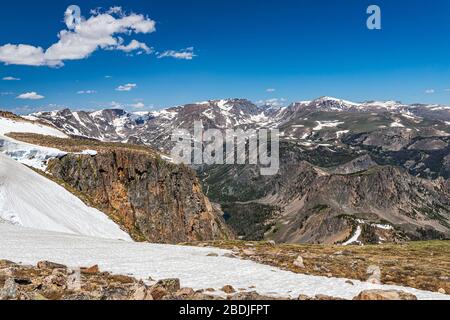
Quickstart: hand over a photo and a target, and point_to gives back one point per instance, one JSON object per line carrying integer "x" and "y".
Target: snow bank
{"x": 191, "y": 265}
{"x": 28, "y": 154}
{"x": 9, "y": 125}
{"x": 28, "y": 199}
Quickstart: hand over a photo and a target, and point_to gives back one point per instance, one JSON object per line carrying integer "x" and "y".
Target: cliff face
{"x": 311, "y": 204}
{"x": 152, "y": 199}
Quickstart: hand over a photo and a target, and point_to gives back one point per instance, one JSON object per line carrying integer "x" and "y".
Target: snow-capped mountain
{"x": 298, "y": 121}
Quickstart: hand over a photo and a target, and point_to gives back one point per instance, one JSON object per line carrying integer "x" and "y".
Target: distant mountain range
{"x": 321, "y": 119}
{"x": 350, "y": 172}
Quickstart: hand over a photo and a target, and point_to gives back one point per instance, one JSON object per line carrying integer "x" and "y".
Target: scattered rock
{"x": 185, "y": 292}
{"x": 228, "y": 289}
{"x": 323, "y": 297}
{"x": 114, "y": 293}
{"x": 158, "y": 292}
{"x": 140, "y": 292}
{"x": 441, "y": 290}
{"x": 249, "y": 296}
{"x": 50, "y": 265}
{"x": 229, "y": 255}
{"x": 384, "y": 295}
{"x": 122, "y": 279}
{"x": 9, "y": 290}
{"x": 171, "y": 285}
{"x": 212, "y": 254}
{"x": 7, "y": 264}
{"x": 91, "y": 270}
{"x": 39, "y": 297}
{"x": 299, "y": 262}
{"x": 272, "y": 243}
{"x": 349, "y": 282}
{"x": 248, "y": 252}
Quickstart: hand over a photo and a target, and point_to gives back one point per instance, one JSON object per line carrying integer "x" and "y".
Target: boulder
{"x": 91, "y": 270}
{"x": 171, "y": 285}
{"x": 385, "y": 295}
{"x": 299, "y": 262}
{"x": 157, "y": 292}
{"x": 185, "y": 292}
{"x": 228, "y": 289}
{"x": 9, "y": 290}
{"x": 50, "y": 265}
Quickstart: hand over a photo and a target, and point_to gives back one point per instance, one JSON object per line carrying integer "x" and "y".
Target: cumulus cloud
{"x": 127, "y": 87}
{"x": 100, "y": 31}
{"x": 271, "y": 90}
{"x": 429, "y": 91}
{"x": 30, "y": 96}
{"x": 10, "y": 79}
{"x": 183, "y": 54}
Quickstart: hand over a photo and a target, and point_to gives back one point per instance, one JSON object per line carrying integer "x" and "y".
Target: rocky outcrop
{"x": 52, "y": 281}
{"x": 152, "y": 199}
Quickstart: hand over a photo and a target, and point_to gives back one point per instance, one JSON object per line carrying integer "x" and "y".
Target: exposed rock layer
{"x": 154, "y": 200}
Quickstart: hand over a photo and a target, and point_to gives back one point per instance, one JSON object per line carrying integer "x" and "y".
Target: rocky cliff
{"x": 305, "y": 203}
{"x": 152, "y": 199}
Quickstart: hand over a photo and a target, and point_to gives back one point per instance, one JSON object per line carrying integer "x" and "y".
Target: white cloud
{"x": 6, "y": 93}
{"x": 30, "y": 96}
{"x": 138, "y": 105}
{"x": 271, "y": 90}
{"x": 447, "y": 90}
{"x": 135, "y": 45}
{"x": 275, "y": 102}
{"x": 100, "y": 31}
{"x": 115, "y": 105}
{"x": 86, "y": 92}
{"x": 184, "y": 54}
{"x": 108, "y": 77}
{"x": 127, "y": 87}
{"x": 429, "y": 91}
{"x": 10, "y": 79}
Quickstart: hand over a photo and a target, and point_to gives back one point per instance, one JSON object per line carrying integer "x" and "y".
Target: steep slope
{"x": 154, "y": 199}
{"x": 30, "y": 200}
{"x": 149, "y": 197}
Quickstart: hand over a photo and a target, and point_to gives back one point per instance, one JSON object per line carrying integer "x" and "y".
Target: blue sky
{"x": 241, "y": 48}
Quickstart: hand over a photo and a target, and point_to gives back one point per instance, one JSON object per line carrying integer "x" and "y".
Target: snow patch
{"x": 9, "y": 125}
{"x": 30, "y": 200}
{"x": 354, "y": 238}
{"x": 191, "y": 265}
{"x": 327, "y": 124}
